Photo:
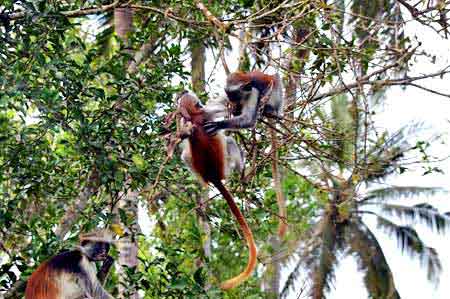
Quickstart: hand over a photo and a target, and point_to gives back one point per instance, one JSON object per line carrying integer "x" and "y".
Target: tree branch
{"x": 72, "y": 13}
{"x": 365, "y": 80}
{"x": 105, "y": 8}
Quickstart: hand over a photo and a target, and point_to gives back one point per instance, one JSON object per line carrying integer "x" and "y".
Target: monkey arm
{"x": 247, "y": 119}
{"x": 102, "y": 274}
{"x": 186, "y": 155}
{"x": 185, "y": 128}
{"x": 90, "y": 284}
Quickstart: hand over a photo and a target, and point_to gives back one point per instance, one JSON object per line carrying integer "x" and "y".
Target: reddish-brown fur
{"x": 208, "y": 161}
{"x": 42, "y": 284}
{"x": 260, "y": 79}
{"x": 208, "y": 155}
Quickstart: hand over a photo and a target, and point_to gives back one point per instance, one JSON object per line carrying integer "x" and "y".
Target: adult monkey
{"x": 72, "y": 274}
{"x": 250, "y": 94}
{"x": 216, "y": 108}
{"x": 207, "y": 157}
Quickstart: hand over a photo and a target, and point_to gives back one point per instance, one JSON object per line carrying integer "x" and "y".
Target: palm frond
{"x": 319, "y": 259}
{"x": 306, "y": 248}
{"x": 324, "y": 263}
{"x": 324, "y": 260}
{"x": 433, "y": 264}
{"x": 400, "y": 192}
{"x": 292, "y": 279}
{"x": 378, "y": 277}
{"x": 383, "y": 164}
{"x": 106, "y": 32}
{"x": 411, "y": 243}
{"x": 385, "y": 154}
{"x": 343, "y": 129}
{"x": 424, "y": 213}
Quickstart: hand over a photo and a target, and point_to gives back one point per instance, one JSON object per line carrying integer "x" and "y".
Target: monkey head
{"x": 94, "y": 250}
{"x": 95, "y": 245}
{"x": 190, "y": 106}
{"x": 238, "y": 86}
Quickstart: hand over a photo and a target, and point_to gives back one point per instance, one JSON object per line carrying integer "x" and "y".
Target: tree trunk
{"x": 198, "y": 59}
{"x": 295, "y": 66}
{"x": 128, "y": 249}
{"x": 123, "y": 22}
{"x": 123, "y": 25}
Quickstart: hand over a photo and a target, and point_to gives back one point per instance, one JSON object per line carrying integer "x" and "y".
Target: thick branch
{"x": 141, "y": 55}
{"x": 105, "y": 8}
{"x": 210, "y": 17}
{"x": 73, "y": 13}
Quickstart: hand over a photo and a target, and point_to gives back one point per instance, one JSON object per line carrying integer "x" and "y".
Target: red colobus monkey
{"x": 208, "y": 159}
{"x": 71, "y": 274}
{"x": 234, "y": 156}
{"x": 245, "y": 91}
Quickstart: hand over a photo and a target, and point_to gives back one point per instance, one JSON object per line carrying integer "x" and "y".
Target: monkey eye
{"x": 233, "y": 95}
{"x": 198, "y": 105}
{"x": 247, "y": 87}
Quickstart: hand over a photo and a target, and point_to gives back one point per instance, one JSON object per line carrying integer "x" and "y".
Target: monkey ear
{"x": 185, "y": 114}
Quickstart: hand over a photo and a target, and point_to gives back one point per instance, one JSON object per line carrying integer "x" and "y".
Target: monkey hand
{"x": 104, "y": 270}
{"x": 211, "y": 127}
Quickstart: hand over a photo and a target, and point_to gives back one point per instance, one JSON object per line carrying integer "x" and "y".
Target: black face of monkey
{"x": 96, "y": 251}
{"x": 236, "y": 95}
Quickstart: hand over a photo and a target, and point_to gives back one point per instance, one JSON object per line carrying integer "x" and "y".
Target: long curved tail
{"x": 233, "y": 282}
{"x": 282, "y": 226}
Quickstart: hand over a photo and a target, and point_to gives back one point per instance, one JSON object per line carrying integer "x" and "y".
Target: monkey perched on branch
{"x": 252, "y": 94}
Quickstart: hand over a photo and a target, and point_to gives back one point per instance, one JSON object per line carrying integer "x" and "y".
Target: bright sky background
{"x": 401, "y": 107}
{"x": 405, "y": 107}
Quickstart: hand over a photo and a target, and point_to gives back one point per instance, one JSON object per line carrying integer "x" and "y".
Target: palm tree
{"x": 340, "y": 229}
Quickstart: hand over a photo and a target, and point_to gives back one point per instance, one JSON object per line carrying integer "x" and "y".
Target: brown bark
{"x": 198, "y": 59}
{"x": 123, "y": 22}
{"x": 123, "y": 26}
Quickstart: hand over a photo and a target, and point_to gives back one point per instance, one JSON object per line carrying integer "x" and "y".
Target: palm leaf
{"x": 378, "y": 277}
{"x": 343, "y": 129}
{"x": 397, "y": 192}
{"x": 411, "y": 243}
{"x": 105, "y": 34}
{"x": 324, "y": 260}
{"x": 319, "y": 258}
{"x": 383, "y": 164}
{"x": 424, "y": 213}
{"x": 324, "y": 263}
{"x": 385, "y": 154}
{"x": 303, "y": 256}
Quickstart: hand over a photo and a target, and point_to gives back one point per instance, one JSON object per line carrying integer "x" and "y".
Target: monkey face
{"x": 190, "y": 105}
{"x": 96, "y": 251}
{"x": 239, "y": 93}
